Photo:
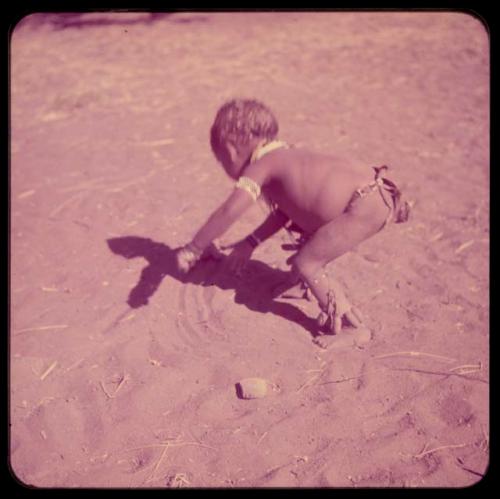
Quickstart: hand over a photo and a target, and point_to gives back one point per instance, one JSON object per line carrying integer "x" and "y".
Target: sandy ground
{"x": 123, "y": 373}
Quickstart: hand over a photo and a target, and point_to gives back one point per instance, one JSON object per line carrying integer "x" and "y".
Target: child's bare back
{"x": 310, "y": 188}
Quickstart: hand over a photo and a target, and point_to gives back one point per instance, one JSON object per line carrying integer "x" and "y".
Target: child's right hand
{"x": 186, "y": 259}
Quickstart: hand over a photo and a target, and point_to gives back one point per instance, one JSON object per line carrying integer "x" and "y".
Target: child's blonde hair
{"x": 239, "y": 120}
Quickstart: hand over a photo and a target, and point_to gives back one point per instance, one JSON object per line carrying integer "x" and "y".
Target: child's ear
{"x": 232, "y": 149}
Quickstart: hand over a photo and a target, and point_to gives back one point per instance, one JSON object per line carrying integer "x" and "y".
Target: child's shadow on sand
{"x": 253, "y": 290}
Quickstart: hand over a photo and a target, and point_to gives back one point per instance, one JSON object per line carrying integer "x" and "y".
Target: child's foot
{"x": 352, "y": 338}
{"x": 338, "y": 310}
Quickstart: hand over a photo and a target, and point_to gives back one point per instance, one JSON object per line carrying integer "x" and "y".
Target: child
{"x": 334, "y": 203}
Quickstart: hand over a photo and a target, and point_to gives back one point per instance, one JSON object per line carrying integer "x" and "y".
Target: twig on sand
{"x": 464, "y": 246}
{"x": 262, "y": 437}
{"x": 438, "y": 373}
{"x": 425, "y": 452}
{"x": 415, "y": 354}
{"x": 465, "y": 468}
{"x": 41, "y": 328}
{"x": 342, "y": 380}
{"x": 468, "y": 368}
{"x": 123, "y": 379}
{"x": 319, "y": 372}
{"x": 65, "y": 203}
{"x": 157, "y": 465}
{"x": 49, "y": 370}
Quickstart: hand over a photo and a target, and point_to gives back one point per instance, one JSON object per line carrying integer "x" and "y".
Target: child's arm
{"x": 272, "y": 224}
{"x": 243, "y": 196}
{"x": 221, "y": 219}
{"x": 242, "y": 250}
{"x": 218, "y": 222}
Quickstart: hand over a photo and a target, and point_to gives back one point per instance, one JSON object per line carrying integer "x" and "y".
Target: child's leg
{"x": 363, "y": 219}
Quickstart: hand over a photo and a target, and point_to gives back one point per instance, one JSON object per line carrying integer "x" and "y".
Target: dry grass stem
{"x": 49, "y": 370}
{"x": 425, "y": 452}
{"x": 262, "y": 437}
{"x": 468, "y": 368}
{"x": 161, "y": 142}
{"x": 158, "y": 463}
{"x": 68, "y": 201}
{"x": 438, "y": 373}
{"x": 464, "y": 246}
{"x": 41, "y": 328}
{"x": 26, "y": 194}
{"x": 436, "y": 237}
{"x": 104, "y": 390}
{"x": 123, "y": 379}
{"x": 415, "y": 354}
{"x": 342, "y": 380}
{"x": 465, "y": 468}
{"x": 75, "y": 364}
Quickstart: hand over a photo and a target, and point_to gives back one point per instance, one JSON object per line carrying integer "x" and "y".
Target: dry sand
{"x": 123, "y": 373}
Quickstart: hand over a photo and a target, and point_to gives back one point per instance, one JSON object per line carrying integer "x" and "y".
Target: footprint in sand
{"x": 350, "y": 337}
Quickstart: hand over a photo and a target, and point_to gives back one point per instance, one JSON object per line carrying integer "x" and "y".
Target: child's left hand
{"x": 239, "y": 256}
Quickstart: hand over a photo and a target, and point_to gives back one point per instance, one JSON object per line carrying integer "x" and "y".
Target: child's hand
{"x": 339, "y": 308}
{"x": 239, "y": 256}
{"x": 187, "y": 257}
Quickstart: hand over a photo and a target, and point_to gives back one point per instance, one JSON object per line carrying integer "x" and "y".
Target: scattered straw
{"x": 165, "y": 445}
{"x": 178, "y": 481}
{"x": 311, "y": 381}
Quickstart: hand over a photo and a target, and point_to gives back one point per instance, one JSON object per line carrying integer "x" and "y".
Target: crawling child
{"x": 333, "y": 203}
